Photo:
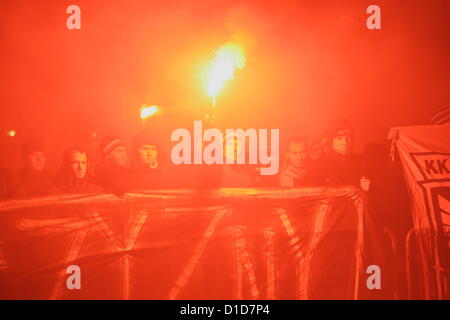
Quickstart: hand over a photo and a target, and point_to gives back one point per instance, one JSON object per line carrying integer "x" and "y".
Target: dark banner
{"x": 312, "y": 243}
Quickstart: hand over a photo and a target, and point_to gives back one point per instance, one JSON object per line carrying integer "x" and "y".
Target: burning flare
{"x": 148, "y": 111}
{"x": 227, "y": 59}
{"x": 11, "y": 133}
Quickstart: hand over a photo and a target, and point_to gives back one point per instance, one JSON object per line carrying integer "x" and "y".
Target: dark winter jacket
{"x": 33, "y": 183}
{"x": 334, "y": 169}
{"x": 8, "y": 184}
{"x": 66, "y": 183}
{"x": 112, "y": 178}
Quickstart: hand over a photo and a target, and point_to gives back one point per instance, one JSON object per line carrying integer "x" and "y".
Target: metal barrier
{"x": 432, "y": 256}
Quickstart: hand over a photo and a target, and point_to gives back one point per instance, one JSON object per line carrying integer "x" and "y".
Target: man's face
{"x": 118, "y": 156}
{"x": 296, "y": 154}
{"x": 342, "y": 142}
{"x": 36, "y": 160}
{"x": 78, "y": 164}
{"x": 148, "y": 154}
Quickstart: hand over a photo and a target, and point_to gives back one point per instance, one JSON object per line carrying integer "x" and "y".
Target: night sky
{"x": 307, "y": 62}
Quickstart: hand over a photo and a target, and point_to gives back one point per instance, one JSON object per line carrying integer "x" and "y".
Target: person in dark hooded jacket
{"x": 149, "y": 161}
{"x": 34, "y": 179}
{"x": 74, "y": 175}
{"x": 340, "y": 165}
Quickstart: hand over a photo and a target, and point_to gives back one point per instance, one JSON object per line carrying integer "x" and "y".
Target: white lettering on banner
{"x": 243, "y": 263}
{"x": 304, "y": 257}
{"x": 269, "y": 246}
{"x": 436, "y": 168}
{"x": 80, "y": 228}
{"x": 127, "y": 246}
{"x": 198, "y": 252}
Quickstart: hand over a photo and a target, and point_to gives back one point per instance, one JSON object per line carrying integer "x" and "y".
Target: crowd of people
{"x": 329, "y": 160}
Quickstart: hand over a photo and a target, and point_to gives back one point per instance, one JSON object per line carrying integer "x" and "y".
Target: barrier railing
{"x": 432, "y": 257}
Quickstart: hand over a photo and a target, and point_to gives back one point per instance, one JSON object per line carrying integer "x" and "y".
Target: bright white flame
{"x": 148, "y": 111}
{"x": 228, "y": 58}
{"x": 11, "y": 133}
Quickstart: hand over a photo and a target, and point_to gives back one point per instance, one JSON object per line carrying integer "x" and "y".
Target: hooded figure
{"x": 73, "y": 177}
{"x": 339, "y": 165}
{"x": 149, "y": 161}
{"x": 34, "y": 179}
{"x": 112, "y": 173}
